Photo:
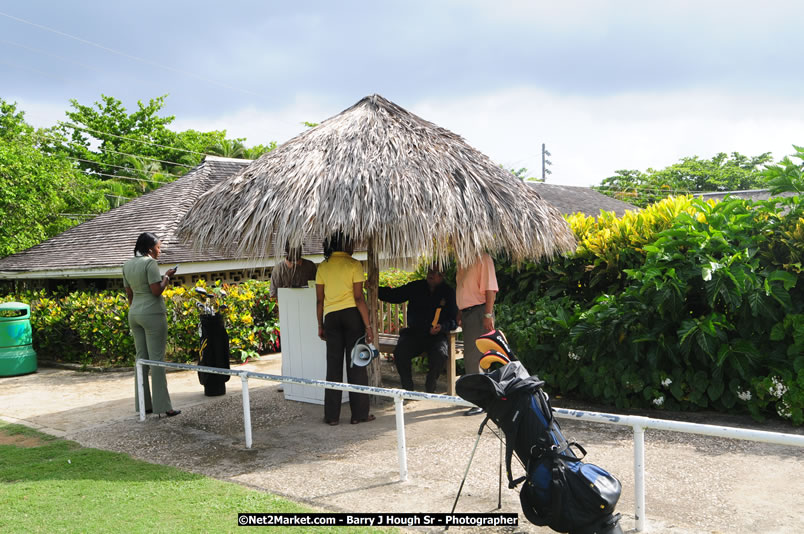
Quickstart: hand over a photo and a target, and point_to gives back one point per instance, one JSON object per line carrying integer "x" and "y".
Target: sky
{"x": 605, "y": 85}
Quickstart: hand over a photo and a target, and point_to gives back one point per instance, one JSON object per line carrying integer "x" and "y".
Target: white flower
{"x": 573, "y": 356}
{"x": 666, "y": 382}
{"x": 778, "y": 389}
{"x": 659, "y": 401}
{"x": 743, "y": 395}
{"x": 783, "y": 409}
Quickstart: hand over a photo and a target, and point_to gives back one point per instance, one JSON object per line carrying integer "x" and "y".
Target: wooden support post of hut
{"x": 373, "y": 281}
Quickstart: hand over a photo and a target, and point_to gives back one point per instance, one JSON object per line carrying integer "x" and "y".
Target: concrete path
{"x": 695, "y": 484}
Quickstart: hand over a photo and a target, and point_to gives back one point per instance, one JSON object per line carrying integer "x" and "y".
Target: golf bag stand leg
{"x": 469, "y": 464}
{"x": 499, "y": 488}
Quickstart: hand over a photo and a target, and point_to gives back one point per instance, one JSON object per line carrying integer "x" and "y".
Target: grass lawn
{"x": 53, "y": 485}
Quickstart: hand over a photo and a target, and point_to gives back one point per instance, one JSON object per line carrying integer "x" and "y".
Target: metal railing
{"x": 397, "y": 394}
{"x": 638, "y": 423}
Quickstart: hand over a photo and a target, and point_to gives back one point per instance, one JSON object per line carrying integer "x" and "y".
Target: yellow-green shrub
{"x": 91, "y": 327}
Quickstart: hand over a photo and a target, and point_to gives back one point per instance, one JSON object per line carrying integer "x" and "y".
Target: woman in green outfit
{"x": 147, "y": 317}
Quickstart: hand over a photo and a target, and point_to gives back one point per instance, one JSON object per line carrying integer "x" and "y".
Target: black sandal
{"x": 172, "y": 413}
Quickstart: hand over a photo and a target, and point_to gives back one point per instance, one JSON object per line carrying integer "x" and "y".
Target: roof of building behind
{"x": 108, "y": 239}
{"x": 748, "y": 194}
{"x": 573, "y": 199}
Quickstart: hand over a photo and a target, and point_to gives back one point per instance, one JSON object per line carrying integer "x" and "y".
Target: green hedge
{"x": 686, "y": 305}
{"x": 91, "y": 327}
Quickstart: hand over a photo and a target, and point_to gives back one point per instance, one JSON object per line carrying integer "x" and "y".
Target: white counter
{"x": 304, "y": 355}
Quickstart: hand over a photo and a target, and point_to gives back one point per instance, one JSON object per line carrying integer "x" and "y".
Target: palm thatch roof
{"x": 386, "y": 177}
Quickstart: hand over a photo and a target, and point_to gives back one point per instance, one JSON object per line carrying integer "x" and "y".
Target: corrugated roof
{"x": 573, "y": 199}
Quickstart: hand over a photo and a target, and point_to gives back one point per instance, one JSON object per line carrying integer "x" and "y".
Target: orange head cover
{"x": 493, "y": 357}
{"x": 495, "y": 341}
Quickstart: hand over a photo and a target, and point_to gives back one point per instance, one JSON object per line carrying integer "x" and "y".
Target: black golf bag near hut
{"x": 214, "y": 352}
{"x": 559, "y": 491}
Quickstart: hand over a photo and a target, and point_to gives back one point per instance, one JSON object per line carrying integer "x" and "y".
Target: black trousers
{"x": 411, "y": 344}
{"x": 343, "y": 328}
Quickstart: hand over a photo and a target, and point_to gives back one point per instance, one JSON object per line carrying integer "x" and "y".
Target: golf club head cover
{"x": 491, "y": 357}
{"x": 495, "y": 341}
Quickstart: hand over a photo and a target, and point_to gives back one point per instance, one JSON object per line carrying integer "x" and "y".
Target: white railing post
{"x": 246, "y": 409}
{"x": 400, "y": 439}
{"x": 638, "y": 423}
{"x": 639, "y": 477}
{"x": 140, "y": 391}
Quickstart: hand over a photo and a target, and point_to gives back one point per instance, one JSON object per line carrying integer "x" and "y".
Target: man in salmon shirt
{"x": 475, "y": 293}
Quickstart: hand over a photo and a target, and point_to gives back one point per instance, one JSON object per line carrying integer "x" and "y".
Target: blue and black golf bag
{"x": 558, "y": 489}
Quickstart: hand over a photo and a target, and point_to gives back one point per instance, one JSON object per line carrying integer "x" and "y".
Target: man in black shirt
{"x": 426, "y": 331}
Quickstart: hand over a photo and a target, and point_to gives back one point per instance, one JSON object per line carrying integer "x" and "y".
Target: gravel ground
{"x": 694, "y": 484}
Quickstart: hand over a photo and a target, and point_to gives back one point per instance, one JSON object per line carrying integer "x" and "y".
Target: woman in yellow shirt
{"x": 342, "y": 320}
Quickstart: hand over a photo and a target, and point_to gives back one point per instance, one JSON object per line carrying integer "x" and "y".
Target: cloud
{"x": 40, "y": 113}
{"x": 589, "y": 137}
{"x": 592, "y": 137}
{"x": 261, "y": 126}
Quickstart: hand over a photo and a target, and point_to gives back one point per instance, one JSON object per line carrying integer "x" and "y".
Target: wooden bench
{"x": 392, "y": 318}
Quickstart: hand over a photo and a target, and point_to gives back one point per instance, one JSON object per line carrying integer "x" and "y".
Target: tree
{"x": 41, "y": 194}
{"x": 522, "y": 174}
{"x": 258, "y": 150}
{"x": 228, "y": 148}
{"x": 723, "y": 172}
{"x": 102, "y": 136}
{"x": 100, "y": 158}
{"x": 147, "y": 175}
{"x": 191, "y": 145}
{"x": 787, "y": 176}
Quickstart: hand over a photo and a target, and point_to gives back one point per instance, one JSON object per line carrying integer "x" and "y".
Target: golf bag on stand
{"x": 214, "y": 353}
{"x": 559, "y": 491}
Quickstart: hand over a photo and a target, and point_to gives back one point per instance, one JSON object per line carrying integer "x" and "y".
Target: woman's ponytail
{"x": 145, "y": 242}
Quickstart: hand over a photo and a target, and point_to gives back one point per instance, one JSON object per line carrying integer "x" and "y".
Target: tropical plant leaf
{"x": 787, "y": 279}
{"x": 777, "y": 333}
{"x": 715, "y": 389}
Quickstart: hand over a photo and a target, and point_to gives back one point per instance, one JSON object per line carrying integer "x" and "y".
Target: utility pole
{"x": 545, "y": 163}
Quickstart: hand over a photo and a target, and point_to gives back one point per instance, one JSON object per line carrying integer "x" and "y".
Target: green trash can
{"x": 17, "y": 356}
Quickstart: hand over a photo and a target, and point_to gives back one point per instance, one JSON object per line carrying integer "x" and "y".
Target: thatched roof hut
{"x": 388, "y": 178}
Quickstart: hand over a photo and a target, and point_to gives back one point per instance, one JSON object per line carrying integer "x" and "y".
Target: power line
{"x": 640, "y": 189}
{"x": 70, "y": 125}
{"x": 149, "y": 159}
{"x": 36, "y": 71}
{"x": 129, "y": 56}
{"x": 115, "y": 196}
{"x": 121, "y": 153}
{"x": 127, "y": 178}
{"x": 78, "y": 215}
{"x": 46, "y": 53}
{"x": 609, "y": 187}
{"x": 124, "y": 168}
{"x": 654, "y": 189}
{"x": 135, "y": 155}
{"x": 86, "y": 187}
